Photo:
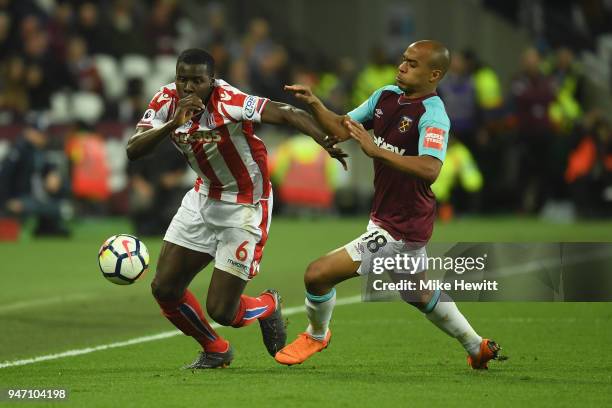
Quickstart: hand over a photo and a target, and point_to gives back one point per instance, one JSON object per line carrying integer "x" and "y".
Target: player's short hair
{"x": 196, "y": 56}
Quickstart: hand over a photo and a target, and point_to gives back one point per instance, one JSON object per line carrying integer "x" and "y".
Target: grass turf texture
{"x": 54, "y": 299}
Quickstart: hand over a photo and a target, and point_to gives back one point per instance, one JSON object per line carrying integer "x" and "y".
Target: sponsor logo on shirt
{"x": 212, "y": 136}
{"x": 249, "y": 107}
{"x": 380, "y": 142}
{"x": 237, "y": 264}
{"x": 434, "y": 138}
{"x": 404, "y": 124}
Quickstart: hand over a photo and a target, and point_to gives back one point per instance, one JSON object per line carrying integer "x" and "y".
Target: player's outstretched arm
{"x": 145, "y": 140}
{"x": 425, "y": 167}
{"x": 331, "y": 122}
{"x": 285, "y": 114}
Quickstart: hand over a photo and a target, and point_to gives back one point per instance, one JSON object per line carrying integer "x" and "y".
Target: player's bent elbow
{"x": 432, "y": 176}
{"x": 132, "y": 152}
{"x": 431, "y": 170}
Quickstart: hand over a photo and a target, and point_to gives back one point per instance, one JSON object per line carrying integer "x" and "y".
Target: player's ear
{"x": 436, "y": 75}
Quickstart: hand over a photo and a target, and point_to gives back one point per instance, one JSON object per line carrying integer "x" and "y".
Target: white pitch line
{"x": 160, "y": 336}
{"x": 43, "y": 302}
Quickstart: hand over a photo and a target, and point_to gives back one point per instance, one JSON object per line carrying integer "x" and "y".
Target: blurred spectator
{"x": 91, "y": 27}
{"x": 125, "y": 34}
{"x": 89, "y": 169}
{"x": 459, "y": 95}
{"x": 7, "y": 44}
{"x": 458, "y": 183}
{"x": 568, "y": 81}
{"x": 83, "y": 74}
{"x": 532, "y": 94}
{"x": 161, "y": 27}
{"x": 13, "y": 89}
{"x": 493, "y": 147}
{"x": 60, "y": 26}
{"x": 304, "y": 176}
{"x": 268, "y": 61}
{"x": 130, "y": 108}
{"x": 32, "y": 186}
{"x": 486, "y": 83}
{"x": 376, "y": 74}
{"x": 41, "y": 67}
{"x": 589, "y": 168}
{"x": 334, "y": 87}
{"x": 156, "y": 188}
{"x": 256, "y": 43}
{"x": 238, "y": 75}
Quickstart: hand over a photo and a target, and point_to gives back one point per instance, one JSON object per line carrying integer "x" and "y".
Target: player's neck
{"x": 418, "y": 94}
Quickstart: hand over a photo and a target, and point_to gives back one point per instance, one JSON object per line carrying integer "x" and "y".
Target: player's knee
{"x": 314, "y": 277}
{"x": 165, "y": 292}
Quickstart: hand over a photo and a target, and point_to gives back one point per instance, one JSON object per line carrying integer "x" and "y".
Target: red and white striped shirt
{"x": 219, "y": 144}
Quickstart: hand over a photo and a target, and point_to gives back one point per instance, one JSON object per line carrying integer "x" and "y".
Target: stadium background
{"x": 79, "y": 75}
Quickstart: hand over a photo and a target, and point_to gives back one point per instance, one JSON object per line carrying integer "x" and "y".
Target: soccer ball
{"x": 123, "y": 258}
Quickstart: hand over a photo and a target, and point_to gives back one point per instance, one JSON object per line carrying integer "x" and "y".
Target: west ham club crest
{"x": 404, "y": 124}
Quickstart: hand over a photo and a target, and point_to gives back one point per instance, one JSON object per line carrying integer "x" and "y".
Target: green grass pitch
{"x": 53, "y": 299}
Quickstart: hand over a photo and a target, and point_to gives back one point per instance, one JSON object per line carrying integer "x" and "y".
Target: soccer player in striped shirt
{"x": 226, "y": 216}
{"x": 410, "y": 128}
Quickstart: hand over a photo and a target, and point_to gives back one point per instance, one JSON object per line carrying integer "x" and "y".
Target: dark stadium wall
{"x": 352, "y": 27}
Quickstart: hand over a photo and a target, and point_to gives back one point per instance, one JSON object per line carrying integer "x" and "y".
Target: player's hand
{"x": 303, "y": 93}
{"x": 187, "y": 107}
{"x": 329, "y": 144}
{"x": 358, "y": 132}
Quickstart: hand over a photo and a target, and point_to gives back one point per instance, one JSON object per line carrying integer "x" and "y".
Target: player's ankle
{"x": 217, "y": 346}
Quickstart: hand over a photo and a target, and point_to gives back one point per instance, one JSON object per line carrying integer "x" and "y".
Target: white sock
{"x": 449, "y": 319}
{"x": 319, "y": 310}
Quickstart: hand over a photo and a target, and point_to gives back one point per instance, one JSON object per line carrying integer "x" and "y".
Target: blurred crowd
{"x": 90, "y": 68}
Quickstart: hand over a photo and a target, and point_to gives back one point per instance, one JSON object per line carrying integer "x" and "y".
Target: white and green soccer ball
{"x": 123, "y": 259}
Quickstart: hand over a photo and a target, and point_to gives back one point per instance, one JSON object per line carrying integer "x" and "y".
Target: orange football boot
{"x": 301, "y": 349}
{"x": 489, "y": 350}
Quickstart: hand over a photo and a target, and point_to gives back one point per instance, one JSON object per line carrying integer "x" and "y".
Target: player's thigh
{"x": 188, "y": 246}
{"x": 176, "y": 268}
{"x": 329, "y": 270}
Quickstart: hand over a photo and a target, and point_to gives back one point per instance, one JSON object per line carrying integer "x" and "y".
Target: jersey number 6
{"x": 241, "y": 252}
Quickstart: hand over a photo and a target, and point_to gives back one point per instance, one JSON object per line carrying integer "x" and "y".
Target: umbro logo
{"x": 378, "y": 113}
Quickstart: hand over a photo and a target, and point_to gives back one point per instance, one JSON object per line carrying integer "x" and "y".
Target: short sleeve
{"x": 364, "y": 113}
{"x": 238, "y": 106}
{"x": 157, "y": 112}
{"x": 434, "y": 127}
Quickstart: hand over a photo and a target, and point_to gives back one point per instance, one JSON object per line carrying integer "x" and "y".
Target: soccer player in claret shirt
{"x": 411, "y": 132}
{"x": 226, "y": 216}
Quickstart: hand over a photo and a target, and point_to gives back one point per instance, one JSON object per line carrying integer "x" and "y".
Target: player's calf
{"x": 221, "y": 312}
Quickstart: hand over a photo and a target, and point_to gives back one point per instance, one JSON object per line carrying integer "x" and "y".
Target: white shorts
{"x": 234, "y": 234}
{"x": 376, "y": 242}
